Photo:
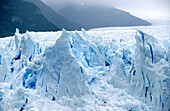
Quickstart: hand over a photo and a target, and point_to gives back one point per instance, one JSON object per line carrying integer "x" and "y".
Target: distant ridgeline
{"x": 94, "y": 16}
{"x": 34, "y": 15}
{"x": 23, "y": 15}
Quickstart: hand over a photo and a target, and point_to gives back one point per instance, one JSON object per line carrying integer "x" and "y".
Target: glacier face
{"x": 146, "y": 74}
{"x": 61, "y": 73}
{"x": 151, "y": 72}
{"x": 80, "y": 72}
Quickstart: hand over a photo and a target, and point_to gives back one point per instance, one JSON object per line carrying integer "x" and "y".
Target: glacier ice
{"x": 86, "y": 52}
{"x": 62, "y": 75}
{"x": 150, "y": 80}
{"x": 148, "y": 75}
{"x": 79, "y": 72}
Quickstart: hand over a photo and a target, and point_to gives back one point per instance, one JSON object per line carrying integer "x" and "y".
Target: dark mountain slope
{"x": 99, "y": 16}
{"x": 53, "y": 17}
{"x": 23, "y": 15}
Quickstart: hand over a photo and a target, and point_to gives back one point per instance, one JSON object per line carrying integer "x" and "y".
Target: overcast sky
{"x": 140, "y": 8}
{"x": 150, "y": 8}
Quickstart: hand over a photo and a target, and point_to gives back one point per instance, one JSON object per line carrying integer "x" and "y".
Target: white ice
{"x": 100, "y": 69}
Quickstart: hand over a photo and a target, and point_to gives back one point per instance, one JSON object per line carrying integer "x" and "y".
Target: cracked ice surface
{"x": 94, "y": 70}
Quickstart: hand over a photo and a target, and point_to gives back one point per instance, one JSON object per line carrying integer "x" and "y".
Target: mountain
{"x": 91, "y": 16}
{"x": 23, "y": 15}
{"x": 53, "y": 17}
{"x": 32, "y": 15}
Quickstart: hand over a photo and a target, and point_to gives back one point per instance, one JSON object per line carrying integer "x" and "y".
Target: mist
{"x": 142, "y": 8}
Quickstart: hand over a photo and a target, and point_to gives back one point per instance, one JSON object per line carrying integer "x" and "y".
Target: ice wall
{"x": 77, "y": 65}
{"x": 150, "y": 73}
{"x": 18, "y": 54}
{"x": 55, "y": 71}
{"x": 86, "y": 51}
{"x": 61, "y": 73}
{"x": 145, "y": 73}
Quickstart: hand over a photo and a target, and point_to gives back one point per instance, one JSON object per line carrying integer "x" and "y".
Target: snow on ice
{"x": 77, "y": 71}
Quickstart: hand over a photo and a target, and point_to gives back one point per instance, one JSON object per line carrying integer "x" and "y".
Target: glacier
{"x": 79, "y": 70}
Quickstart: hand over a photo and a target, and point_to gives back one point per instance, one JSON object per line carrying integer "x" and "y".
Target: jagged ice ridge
{"x": 79, "y": 72}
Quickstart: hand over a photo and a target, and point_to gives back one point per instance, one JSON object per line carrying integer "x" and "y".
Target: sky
{"x": 140, "y": 8}
{"x": 145, "y": 8}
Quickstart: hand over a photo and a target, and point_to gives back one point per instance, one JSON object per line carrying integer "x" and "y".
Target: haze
{"x": 142, "y": 8}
